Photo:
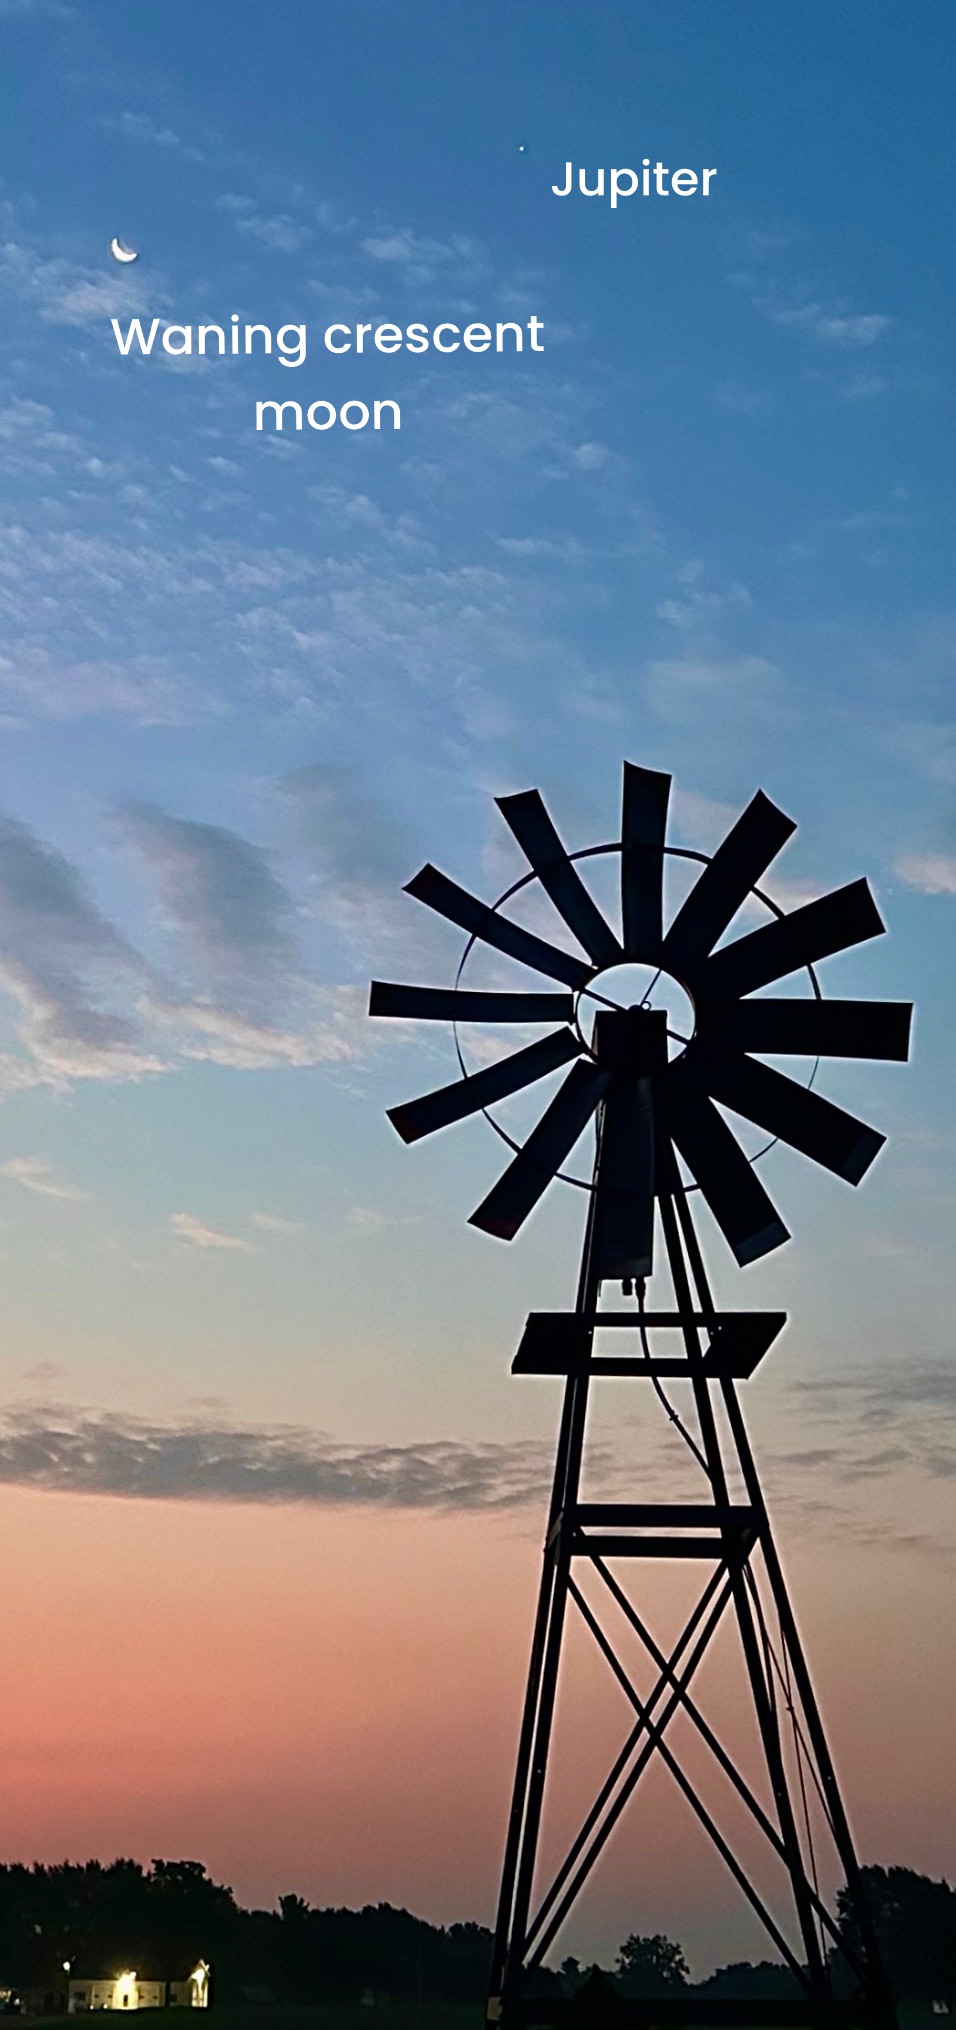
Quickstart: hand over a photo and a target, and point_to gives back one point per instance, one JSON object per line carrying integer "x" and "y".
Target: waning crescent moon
{"x": 121, "y": 253}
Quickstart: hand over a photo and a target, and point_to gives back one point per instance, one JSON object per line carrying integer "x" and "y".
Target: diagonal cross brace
{"x": 712, "y": 1588}
{"x": 709, "y": 1823}
{"x": 719, "y": 1751}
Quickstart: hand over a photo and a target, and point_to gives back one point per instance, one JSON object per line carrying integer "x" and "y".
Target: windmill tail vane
{"x": 656, "y": 1098}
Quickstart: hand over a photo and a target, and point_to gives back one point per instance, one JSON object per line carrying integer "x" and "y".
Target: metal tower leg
{"x": 534, "y": 1741}
{"x": 736, "y": 1534}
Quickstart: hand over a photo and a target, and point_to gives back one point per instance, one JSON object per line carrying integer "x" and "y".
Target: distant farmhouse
{"x": 127, "y": 1991}
{"x": 109, "y": 1991}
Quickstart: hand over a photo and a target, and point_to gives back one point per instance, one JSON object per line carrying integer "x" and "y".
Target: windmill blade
{"x": 483, "y": 922}
{"x": 526, "y": 1179}
{"x": 847, "y": 917}
{"x": 643, "y": 825}
{"x": 804, "y": 1119}
{"x": 528, "y": 818}
{"x": 459, "y": 1004}
{"x": 744, "y": 1211}
{"x": 725, "y": 883}
{"x": 469, "y": 1095}
{"x": 811, "y": 1028}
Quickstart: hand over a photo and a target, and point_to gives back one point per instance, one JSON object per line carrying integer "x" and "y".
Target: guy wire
{"x": 639, "y": 1292}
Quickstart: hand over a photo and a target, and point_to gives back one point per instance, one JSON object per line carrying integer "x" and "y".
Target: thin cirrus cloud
{"x": 887, "y": 1394}
{"x": 360, "y": 853}
{"x": 143, "y": 690}
{"x": 73, "y": 1451}
{"x": 929, "y": 873}
{"x": 280, "y": 233}
{"x": 225, "y": 905}
{"x": 331, "y": 1030}
{"x": 42, "y": 1179}
{"x": 142, "y": 127}
{"x": 706, "y": 688}
{"x": 55, "y": 1448}
{"x": 68, "y": 292}
{"x": 849, "y": 331}
{"x": 82, "y": 1003}
{"x": 908, "y": 1409}
{"x": 197, "y": 1233}
{"x": 795, "y": 306}
{"x": 71, "y": 975}
{"x": 421, "y": 260}
{"x": 318, "y": 619}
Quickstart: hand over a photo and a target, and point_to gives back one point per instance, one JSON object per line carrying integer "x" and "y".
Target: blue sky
{"x": 249, "y": 683}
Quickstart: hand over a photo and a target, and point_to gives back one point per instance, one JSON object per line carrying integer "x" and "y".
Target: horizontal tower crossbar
{"x": 559, "y": 1342}
{"x": 664, "y": 1514}
{"x": 583, "y": 1546}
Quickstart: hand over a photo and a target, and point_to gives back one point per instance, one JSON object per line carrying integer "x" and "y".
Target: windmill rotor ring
{"x": 658, "y": 1114}
{"x": 589, "y": 992}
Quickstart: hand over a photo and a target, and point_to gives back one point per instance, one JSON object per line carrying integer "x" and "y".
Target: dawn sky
{"x": 270, "y": 1500}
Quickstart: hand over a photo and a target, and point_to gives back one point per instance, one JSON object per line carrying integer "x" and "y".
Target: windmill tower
{"x": 653, "y": 1093}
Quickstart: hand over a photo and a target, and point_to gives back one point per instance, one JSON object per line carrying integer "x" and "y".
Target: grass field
{"x": 410, "y": 2016}
{"x": 407, "y": 2016}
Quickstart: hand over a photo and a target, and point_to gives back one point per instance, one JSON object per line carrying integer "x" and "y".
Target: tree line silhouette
{"x": 89, "y": 1919}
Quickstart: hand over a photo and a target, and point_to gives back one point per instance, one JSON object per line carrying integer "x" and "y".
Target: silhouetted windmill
{"x": 655, "y": 1094}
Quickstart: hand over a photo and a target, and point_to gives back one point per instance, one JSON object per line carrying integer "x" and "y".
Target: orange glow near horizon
{"x": 328, "y": 1702}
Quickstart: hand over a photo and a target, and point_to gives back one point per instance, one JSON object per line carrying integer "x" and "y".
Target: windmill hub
{"x": 631, "y": 1041}
{"x": 639, "y": 987}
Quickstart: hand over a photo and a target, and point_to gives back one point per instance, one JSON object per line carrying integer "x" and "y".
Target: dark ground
{"x": 276, "y": 2016}
{"x": 352, "y": 2016}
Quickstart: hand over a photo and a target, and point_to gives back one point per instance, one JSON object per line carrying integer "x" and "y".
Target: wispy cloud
{"x": 312, "y": 633}
{"x": 31, "y": 438}
{"x": 696, "y": 605}
{"x": 705, "y": 685}
{"x": 845, "y": 330}
{"x": 930, "y": 873}
{"x": 226, "y": 906}
{"x": 271, "y": 1223}
{"x": 360, "y": 851}
{"x": 891, "y": 1423}
{"x": 58, "y": 1448}
{"x": 281, "y": 233}
{"x": 74, "y": 1451}
{"x": 883, "y": 1395}
{"x": 34, "y": 1173}
{"x": 329, "y": 1028}
{"x": 197, "y": 1233}
{"x": 142, "y": 689}
{"x": 69, "y": 292}
{"x": 701, "y": 821}
{"x": 66, "y": 967}
{"x": 420, "y": 259}
{"x": 830, "y": 324}
{"x": 844, "y": 1464}
{"x": 373, "y": 1219}
{"x": 591, "y": 457}
{"x": 142, "y": 127}
{"x": 87, "y": 1005}
{"x": 799, "y": 305}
